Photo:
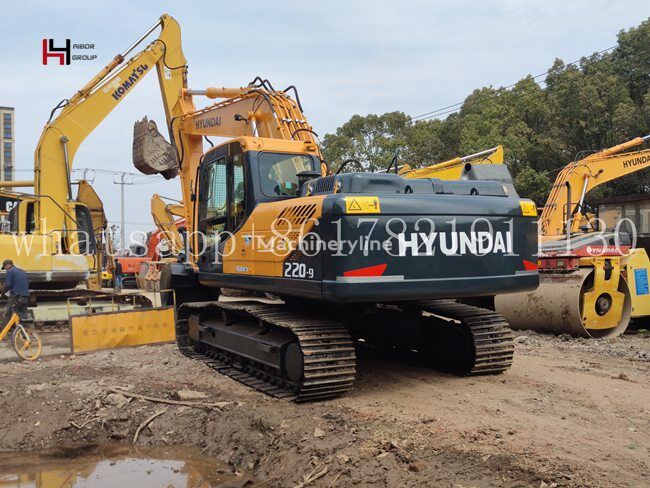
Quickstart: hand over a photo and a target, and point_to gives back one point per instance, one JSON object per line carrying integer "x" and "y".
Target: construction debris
{"x": 146, "y": 423}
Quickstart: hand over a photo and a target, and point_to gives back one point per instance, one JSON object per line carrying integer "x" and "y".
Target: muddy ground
{"x": 568, "y": 413}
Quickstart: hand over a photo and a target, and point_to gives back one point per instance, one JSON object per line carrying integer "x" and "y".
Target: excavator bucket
{"x": 152, "y": 154}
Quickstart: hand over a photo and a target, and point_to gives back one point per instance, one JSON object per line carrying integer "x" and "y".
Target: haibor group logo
{"x": 62, "y": 54}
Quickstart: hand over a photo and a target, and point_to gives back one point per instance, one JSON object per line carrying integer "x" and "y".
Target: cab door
{"x": 221, "y": 203}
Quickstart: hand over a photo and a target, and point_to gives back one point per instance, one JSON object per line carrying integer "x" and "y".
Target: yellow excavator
{"x": 169, "y": 217}
{"x": 593, "y": 281}
{"x": 167, "y": 214}
{"x": 349, "y": 255}
{"x": 57, "y": 253}
{"x": 52, "y": 234}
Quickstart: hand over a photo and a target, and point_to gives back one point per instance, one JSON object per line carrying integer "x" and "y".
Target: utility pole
{"x": 85, "y": 171}
{"x": 122, "y": 181}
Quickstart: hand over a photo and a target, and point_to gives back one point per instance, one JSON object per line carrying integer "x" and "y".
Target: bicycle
{"x": 25, "y": 341}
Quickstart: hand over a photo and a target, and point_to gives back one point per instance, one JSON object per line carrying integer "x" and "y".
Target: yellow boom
{"x": 453, "y": 169}
{"x": 163, "y": 215}
{"x": 563, "y": 210}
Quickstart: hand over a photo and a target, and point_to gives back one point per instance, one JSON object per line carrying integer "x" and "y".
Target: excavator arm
{"x": 82, "y": 113}
{"x": 163, "y": 214}
{"x": 563, "y": 210}
{"x": 254, "y": 111}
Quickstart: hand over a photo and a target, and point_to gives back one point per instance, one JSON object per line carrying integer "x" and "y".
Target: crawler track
{"x": 454, "y": 337}
{"x": 488, "y": 342}
{"x": 329, "y": 365}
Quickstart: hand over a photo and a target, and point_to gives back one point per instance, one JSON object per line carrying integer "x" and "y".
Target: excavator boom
{"x": 255, "y": 112}
{"x": 164, "y": 216}
{"x": 563, "y": 209}
{"x": 453, "y": 168}
{"x": 80, "y": 116}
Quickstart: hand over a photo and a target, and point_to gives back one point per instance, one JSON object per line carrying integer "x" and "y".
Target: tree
{"x": 372, "y": 140}
{"x": 579, "y": 108}
{"x": 632, "y": 61}
{"x": 532, "y": 184}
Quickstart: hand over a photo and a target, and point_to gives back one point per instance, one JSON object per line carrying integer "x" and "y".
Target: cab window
{"x": 278, "y": 173}
{"x": 85, "y": 233}
{"x": 213, "y": 203}
{"x": 238, "y": 191}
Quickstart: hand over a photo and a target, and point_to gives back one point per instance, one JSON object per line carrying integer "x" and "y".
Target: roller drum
{"x": 556, "y": 307}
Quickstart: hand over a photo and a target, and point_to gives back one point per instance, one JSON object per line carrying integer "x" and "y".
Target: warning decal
{"x": 528, "y": 208}
{"x": 362, "y": 205}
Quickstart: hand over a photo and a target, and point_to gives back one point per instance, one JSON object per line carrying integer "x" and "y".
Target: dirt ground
{"x": 568, "y": 413}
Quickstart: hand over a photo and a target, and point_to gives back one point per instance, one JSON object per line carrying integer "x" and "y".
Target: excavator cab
{"x": 21, "y": 217}
{"x": 68, "y": 252}
{"x": 234, "y": 179}
{"x": 78, "y": 237}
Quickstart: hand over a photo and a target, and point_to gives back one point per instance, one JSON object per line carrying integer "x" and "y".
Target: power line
{"x": 144, "y": 179}
{"x": 128, "y": 222}
{"x": 108, "y": 171}
{"x": 456, "y": 106}
{"x": 101, "y": 171}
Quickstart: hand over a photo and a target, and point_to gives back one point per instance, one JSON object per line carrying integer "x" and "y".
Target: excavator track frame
{"x": 490, "y": 345}
{"x": 486, "y": 345}
{"x": 329, "y": 366}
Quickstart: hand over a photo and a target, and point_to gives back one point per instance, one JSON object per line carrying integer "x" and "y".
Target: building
{"x": 7, "y": 143}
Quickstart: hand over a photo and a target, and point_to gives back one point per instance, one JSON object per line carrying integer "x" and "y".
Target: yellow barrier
{"x": 97, "y": 330}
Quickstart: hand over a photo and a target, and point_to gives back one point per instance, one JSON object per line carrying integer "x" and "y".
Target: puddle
{"x": 109, "y": 466}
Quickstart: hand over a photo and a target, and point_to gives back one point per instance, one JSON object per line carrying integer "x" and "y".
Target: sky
{"x": 346, "y": 57}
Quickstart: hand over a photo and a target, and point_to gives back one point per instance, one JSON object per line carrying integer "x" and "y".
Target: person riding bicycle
{"x": 17, "y": 284}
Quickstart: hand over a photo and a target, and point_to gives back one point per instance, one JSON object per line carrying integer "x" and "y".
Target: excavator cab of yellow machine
{"x": 57, "y": 258}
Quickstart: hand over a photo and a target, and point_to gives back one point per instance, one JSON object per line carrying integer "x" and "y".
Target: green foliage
{"x": 533, "y": 184}
{"x": 603, "y": 101}
{"x": 372, "y": 140}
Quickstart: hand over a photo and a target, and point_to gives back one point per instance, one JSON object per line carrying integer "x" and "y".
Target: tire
{"x": 26, "y": 348}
